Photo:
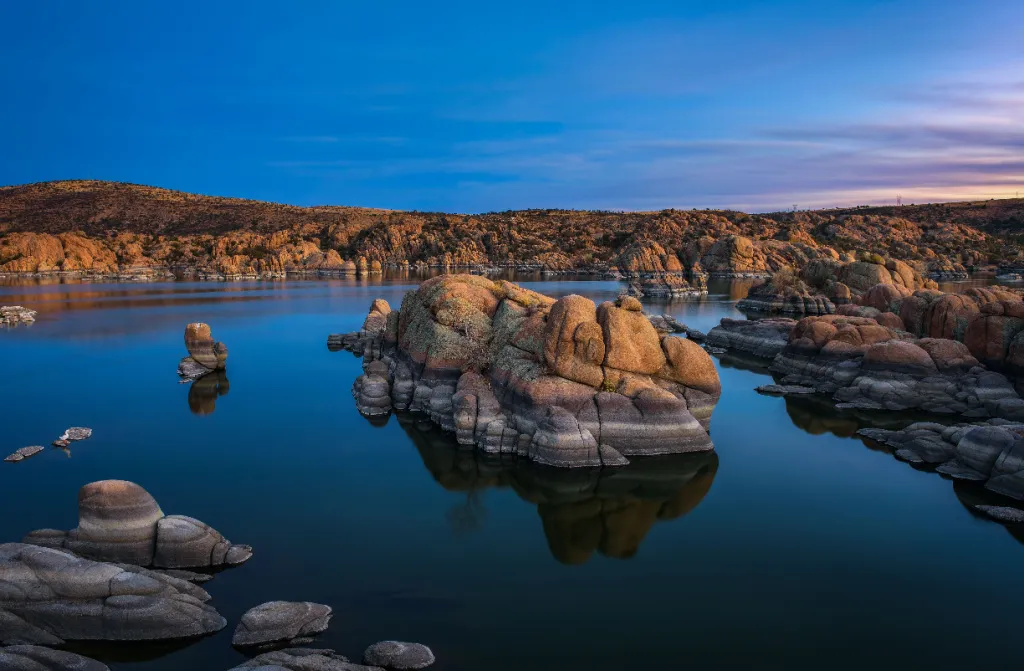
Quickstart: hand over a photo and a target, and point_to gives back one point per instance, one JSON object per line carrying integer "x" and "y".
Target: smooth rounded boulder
{"x": 398, "y": 656}
{"x": 281, "y": 622}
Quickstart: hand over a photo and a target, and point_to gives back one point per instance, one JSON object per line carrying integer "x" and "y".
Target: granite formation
{"x": 12, "y": 315}
{"x": 36, "y": 658}
{"x": 204, "y": 353}
{"x": 50, "y": 595}
{"x": 302, "y": 659}
{"x": 119, "y": 521}
{"x": 565, "y": 382}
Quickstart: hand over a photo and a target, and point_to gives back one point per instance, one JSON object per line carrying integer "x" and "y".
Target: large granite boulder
{"x": 562, "y": 382}
{"x": 36, "y": 658}
{"x": 278, "y": 622}
{"x": 48, "y": 596}
{"x": 119, "y": 521}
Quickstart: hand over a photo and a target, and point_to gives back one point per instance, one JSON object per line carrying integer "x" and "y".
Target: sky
{"x": 488, "y": 106}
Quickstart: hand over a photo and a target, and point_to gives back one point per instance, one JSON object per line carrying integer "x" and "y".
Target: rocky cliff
{"x": 115, "y": 229}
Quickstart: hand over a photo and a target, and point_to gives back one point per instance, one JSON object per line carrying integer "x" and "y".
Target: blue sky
{"x": 475, "y": 107}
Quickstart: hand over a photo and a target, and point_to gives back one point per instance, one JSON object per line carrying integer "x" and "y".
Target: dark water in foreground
{"x": 795, "y": 545}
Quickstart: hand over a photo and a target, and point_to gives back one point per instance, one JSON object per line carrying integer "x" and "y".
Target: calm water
{"x": 795, "y": 545}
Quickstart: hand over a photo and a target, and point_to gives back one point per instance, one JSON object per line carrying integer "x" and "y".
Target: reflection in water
{"x": 972, "y": 494}
{"x": 582, "y": 510}
{"x": 202, "y": 395}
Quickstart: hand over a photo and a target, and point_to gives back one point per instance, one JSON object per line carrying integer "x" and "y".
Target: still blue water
{"x": 794, "y": 546}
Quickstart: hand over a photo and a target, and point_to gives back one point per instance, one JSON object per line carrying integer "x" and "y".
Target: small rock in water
{"x": 1003, "y": 513}
{"x": 60, "y": 442}
{"x": 281, "y": 622}
{"x": 398, "y": 656}
{"x": 302, "y": 659}
{"x": 716, "y": 350}
{"x": 11, "y": 315}
{"x": 24, "y": 453}
{"x": 76, "y": 433}
{"x": 784, "y": 389}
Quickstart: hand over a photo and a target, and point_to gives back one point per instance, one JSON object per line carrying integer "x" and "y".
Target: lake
{"x": 793, "y": 545}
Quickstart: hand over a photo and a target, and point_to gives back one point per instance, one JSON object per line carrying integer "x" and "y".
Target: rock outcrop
{"x": 865, "y": 365}
{"x": 794, "y": 298}
{"x": 204, "y": 353}
{"x": 562, "y": 382}
{"x": 119, "y": 521}
{"x": 12, "y": 315}
{"x": 23, "y": 453}
{"x": 49, "y": 595}
{"x": 278, "y": 622}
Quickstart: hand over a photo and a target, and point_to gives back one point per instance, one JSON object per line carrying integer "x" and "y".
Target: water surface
{"x": 794, "y": 545}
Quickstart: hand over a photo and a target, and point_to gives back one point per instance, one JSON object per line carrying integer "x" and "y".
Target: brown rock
{"x": 631, "y": 342}
{"x": 202, "y": 348}
{"x": 574, "y": 344}
{"x": 689, "y": 365}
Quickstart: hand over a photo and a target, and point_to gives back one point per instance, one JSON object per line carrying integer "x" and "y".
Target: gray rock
{"x": 35, "y": 658}
{"x": 281, "y": 622}
{"x": 76, "y": 433}
{"x": 23, "y": 453}
{"x": 764, "y": 337}
{"x": 302, "y": 659}
{"x": 51, "y": 595}
{"x": 1004, "y": 514}
{"x": 12, "y": 315}
{"x": 398, "y": 656}
{"x": 785, "y": 389}
{"x": 190, "y": 370}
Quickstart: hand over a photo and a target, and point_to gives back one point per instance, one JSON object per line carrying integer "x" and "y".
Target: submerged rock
{"x": 398, "y": 656}
{"x": 302, "y": 659}
{"x": 51, "y": 595}
{"x": 23, "y": 453}
{"x": 36, "y": 658}
{"x": 120, "y": 521}
{"x": 564, "y": 382}
{"x": 281, "y": 622}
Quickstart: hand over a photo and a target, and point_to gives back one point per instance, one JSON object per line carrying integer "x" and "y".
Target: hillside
{"x": 110, "y": 228}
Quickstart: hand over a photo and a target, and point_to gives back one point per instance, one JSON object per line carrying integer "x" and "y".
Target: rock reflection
{"x": 582, "y": 510}
{"x": 204, "y": 392}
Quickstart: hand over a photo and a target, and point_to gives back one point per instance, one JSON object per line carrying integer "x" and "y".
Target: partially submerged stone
{"x": 398, "y": 656}
{"x": 23, "y": 453}
{"x": 203, "y": 348}
{"x": 281, "y": 622}
{"x": 120, "y": 521}
{"x": 76, "y": 433}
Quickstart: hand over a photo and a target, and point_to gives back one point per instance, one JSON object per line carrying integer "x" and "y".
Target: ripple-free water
{"x": 793, "y": 546}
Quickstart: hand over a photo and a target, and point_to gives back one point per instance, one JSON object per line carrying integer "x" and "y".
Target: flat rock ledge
{"x": 281, "y": 622}
{"x": 398, "y": 656}
{"x": 764, "y": 338}
{"x": 36, "y": 658}
{"x": 302, "y": 659}
{"x": 991, "y": 453}
{"x": 119, "y": 521}
{"x": 784, "y": 389}
{"x": 23, "y": 453}
{"x": 565, "y": 383}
